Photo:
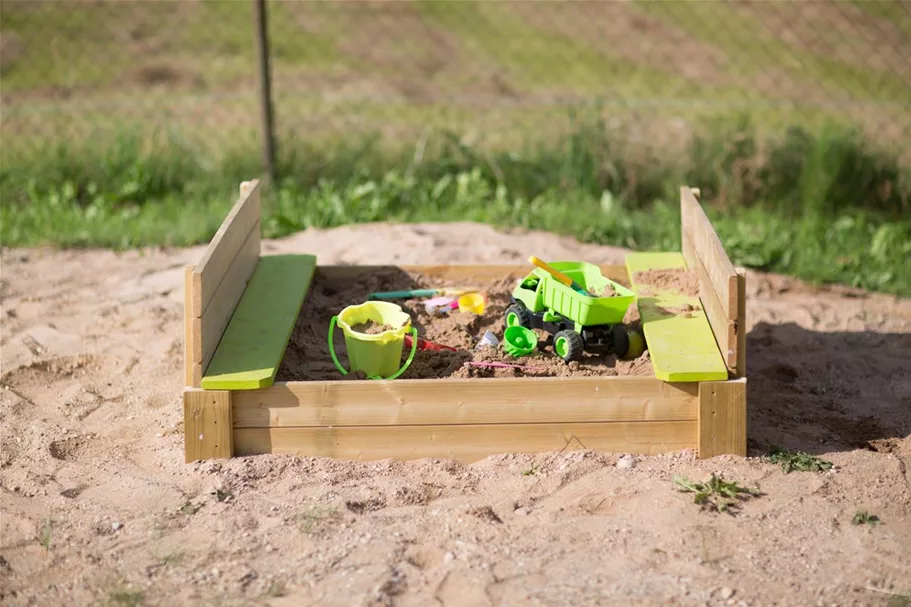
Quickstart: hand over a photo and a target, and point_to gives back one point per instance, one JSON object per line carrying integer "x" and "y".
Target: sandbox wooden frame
{"x": 462, "y": 419}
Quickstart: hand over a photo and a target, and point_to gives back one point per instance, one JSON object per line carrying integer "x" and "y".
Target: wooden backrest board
{"x": 722, "y": 287}
{"x": 215, "y": 285}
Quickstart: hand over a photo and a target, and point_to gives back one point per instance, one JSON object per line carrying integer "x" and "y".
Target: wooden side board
{"x": 228, "y": 241}
{"x": 468, "y": 419}
{"x": 465, "y": 443}
{"x": 215, "y": 285}
{"x": 722, "y": 287}
{"x": 407, "y": 402}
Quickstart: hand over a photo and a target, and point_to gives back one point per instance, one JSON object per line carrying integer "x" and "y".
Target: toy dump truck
{"x": 576, "y": 321}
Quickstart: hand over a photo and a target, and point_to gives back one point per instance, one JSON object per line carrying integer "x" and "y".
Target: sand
{"x": 371, "y": 328}
{"x": 679, "y": 282}
{"x": 98, "y": 507}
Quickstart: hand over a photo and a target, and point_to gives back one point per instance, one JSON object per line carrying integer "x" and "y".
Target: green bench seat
{"x": 254, "y": 342}
{"x": 681, "y": 344}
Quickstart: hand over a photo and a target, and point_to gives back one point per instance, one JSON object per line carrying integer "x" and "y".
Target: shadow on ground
{"x": 821, "y": 392}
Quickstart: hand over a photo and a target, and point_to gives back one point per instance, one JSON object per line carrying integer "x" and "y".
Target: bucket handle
{"x": 414, "y": 347}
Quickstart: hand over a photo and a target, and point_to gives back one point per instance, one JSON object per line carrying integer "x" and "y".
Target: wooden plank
{"x": 740, "y": 324}
{"x": 465, "y": 401}
{"x": 224, "y": 247}
{"x": 215, "y": 318}
{"x": 207, "y": 424}
{"x": 688, "y": 250}
{"x": 681, "y": 344}
{"x": 722, "y": 418}
{"x": 191, "y": 340}
{"x": 252, "y": 347}
{"x": 723, "y": 329}
{"x": 466, "y": 443}
{"x": 462, "y": 274}
{"x": 707, "y": 247}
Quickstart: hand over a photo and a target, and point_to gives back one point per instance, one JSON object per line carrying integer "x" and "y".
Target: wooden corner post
{"x": 208, "y": 425}
{"x": 722, "y": 418}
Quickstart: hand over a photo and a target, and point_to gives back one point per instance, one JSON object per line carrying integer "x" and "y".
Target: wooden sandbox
{"x": 241, "y": 307}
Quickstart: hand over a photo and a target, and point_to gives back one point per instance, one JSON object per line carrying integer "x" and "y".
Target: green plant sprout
{"x": 797, "y": 460}
{"x": 717, "y": 494}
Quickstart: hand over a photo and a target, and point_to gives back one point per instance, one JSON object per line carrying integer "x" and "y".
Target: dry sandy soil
{"x": 99, "y": 508}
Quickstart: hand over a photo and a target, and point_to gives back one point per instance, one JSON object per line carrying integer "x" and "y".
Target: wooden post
{"x": 265, "y": 89}
{"x": 722, "y": 418}
{"x": 208, "y": 425}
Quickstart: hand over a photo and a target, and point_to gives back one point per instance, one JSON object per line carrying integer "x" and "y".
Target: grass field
{"x": 128, "y": 123}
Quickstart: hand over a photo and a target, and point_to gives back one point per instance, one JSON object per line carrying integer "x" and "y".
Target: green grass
{"x": 791, "y": 461}
{"x": 750, "y": 48}
{"x": 536, "y": 59}
{"x": 892, "y": 11}
{"x": 824, "y": 206}
{"x": 125, "y": 598}
{"x": 45, "y": 537}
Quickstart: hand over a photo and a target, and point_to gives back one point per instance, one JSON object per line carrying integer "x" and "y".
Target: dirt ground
{"x": 98, "y": 507}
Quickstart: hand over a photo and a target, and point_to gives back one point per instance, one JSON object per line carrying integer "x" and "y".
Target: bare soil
{"x": 98, "y": 507}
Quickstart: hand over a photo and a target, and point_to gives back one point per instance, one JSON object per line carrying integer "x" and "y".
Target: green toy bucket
{"x": 375, "y": 354}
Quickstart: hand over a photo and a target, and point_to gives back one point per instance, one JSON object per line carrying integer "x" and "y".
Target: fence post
{"x": 265, "y": 89}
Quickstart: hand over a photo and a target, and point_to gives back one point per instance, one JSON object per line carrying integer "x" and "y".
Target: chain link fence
{"x": 88, "y": 71}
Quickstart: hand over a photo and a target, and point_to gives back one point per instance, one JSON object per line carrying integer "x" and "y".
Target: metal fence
{"x": 83, "y": 70}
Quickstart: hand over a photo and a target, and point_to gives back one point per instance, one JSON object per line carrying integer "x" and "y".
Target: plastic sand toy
{"x": 375, "y": 337}
{"x": 415, "y": 293}
{"x": 474, "y": 303}
{"x": 423, "y": 344}
{"x": 487, "y": 341}
{"x": 578, "y": 322}
{"x": 519, "y": 341}
{"x": 438, "y": 305}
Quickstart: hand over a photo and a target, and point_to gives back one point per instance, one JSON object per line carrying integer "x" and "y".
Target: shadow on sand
{"x": 819, "y": 392}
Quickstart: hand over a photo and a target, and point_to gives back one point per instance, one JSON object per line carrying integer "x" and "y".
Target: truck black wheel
{"x": 568, "y": 345}
{"x": 619, "y": 341}
{"x": 517, "y": 315}
{"x": 627, "y": 344}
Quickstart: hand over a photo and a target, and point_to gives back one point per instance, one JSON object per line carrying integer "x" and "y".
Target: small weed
{"x": 798, "y": 460}
{"x": 862, "y": 517}
{"x": 899, "y": 600}
{"x": 125, "y": 598}
{"x": 277, "y": 588}
{"x": 317, "y": 514}
{"x": 717, "y": 494}
{"x": 189, "y": 508}
{"x": 46, "y": 535}
{"x": 896, "y": 599}
{"x": 171, "y": 559}
{"x": 222, "y": 496}
{"x": 531, "y": 471}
